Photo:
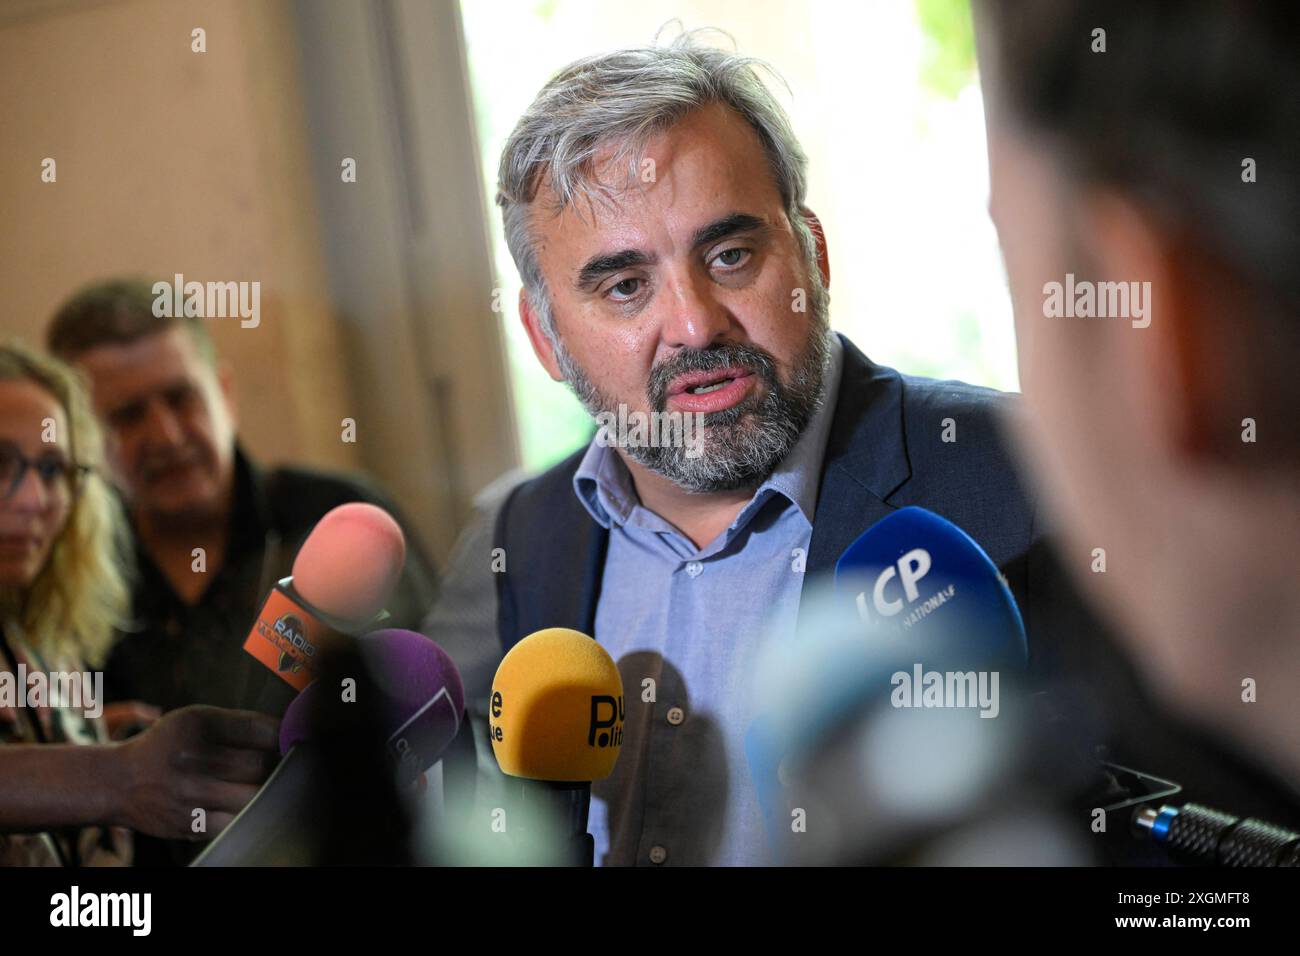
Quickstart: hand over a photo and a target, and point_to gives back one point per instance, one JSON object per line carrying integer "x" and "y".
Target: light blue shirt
{"x": 683, "y": 623}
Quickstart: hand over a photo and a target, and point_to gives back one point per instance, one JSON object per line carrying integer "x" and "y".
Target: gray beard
{"x": 743, "y": 444}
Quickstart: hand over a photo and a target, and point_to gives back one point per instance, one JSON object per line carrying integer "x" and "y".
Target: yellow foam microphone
{"x": 556, "y": 724}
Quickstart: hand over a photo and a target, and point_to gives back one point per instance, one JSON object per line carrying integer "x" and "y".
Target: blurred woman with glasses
{"x": 66, "y": 792}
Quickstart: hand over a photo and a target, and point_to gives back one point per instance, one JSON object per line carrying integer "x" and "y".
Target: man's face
{"x": 169, "y": 424}
{"x": 689, "y": 293}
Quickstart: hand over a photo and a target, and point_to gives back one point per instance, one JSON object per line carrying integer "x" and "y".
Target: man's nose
{"x": 696, "y": 319}
{"x": 162, "y": 426}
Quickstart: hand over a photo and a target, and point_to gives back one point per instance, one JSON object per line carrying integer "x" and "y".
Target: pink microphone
{"x": 342, "y": 576}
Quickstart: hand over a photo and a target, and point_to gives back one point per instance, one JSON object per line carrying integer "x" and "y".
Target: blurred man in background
{"x": 167, "y": 406}
{"x": 1157, "y": 145}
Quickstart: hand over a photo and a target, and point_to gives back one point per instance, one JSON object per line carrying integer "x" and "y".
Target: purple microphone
{"x": 423, "y": 700}
{"x": 421, "y": 705}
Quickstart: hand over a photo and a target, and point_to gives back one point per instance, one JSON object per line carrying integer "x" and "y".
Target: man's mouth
{"x": 170, "y": 470}
{"x": 710, "y": 391}
{"x": 702, "y": 383}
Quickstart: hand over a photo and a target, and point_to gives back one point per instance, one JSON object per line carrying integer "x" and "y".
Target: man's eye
{"x": 625, "y": 289}
{"x": 126, "y": 416}
{"x": 732, "y": 257}
{"x": 180, "y": 397}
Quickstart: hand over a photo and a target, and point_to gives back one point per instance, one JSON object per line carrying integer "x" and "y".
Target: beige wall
{"x": 173, "y": 161}
{"x": 202, "y": 163}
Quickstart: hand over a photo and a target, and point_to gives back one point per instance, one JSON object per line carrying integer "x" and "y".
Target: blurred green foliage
{"x": 948, "y": 63}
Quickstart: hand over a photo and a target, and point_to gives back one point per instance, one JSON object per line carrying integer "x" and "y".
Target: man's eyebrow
{"x": 726, "y": 226}
{"x": 136, "y": 402}
{"x": 602, "y": 265}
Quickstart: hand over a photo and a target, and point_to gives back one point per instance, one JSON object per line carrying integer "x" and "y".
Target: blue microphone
{"x": 916, "y": 616}
{"x": 916, "y": 573}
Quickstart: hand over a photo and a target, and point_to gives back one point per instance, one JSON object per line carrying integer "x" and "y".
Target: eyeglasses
{"x": 57, "y": 475}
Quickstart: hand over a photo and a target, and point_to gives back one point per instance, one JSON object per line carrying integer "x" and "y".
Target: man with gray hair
{"x": 654, "y": 203}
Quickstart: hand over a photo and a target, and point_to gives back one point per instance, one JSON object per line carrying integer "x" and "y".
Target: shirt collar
{"x": 604, "y": 486}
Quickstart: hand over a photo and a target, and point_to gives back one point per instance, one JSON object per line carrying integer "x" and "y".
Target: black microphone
{"x": 1197, "y": 834}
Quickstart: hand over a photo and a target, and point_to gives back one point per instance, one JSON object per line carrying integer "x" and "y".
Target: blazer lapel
{"x": 866, "y": 459}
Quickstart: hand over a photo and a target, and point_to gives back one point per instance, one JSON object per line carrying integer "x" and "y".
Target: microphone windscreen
{"x": 913, "y": 597}
{"x": 350, "y": 562}
{"x": 295, "y": 725}
{"x": 557, "y": 708}
{"x": 919, "y": 576}
{"x": 422, "y": 699}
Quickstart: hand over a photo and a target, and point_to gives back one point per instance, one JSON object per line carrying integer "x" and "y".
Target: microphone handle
{"x": 271, "y": 829}
{"x": 1199, "y": 834}
{"x": 566, "y": 805}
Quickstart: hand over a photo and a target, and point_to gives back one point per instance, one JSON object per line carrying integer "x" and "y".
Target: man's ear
{"x": 819, "y": 237}
{"x": 542, "y": 347}
{"x": 1179, "y": 382}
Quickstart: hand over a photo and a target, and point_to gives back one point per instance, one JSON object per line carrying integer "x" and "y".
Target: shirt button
{"x": 676, "y": 715}
{"x": 658, "y": 854}
{"x": 694, "y": 569}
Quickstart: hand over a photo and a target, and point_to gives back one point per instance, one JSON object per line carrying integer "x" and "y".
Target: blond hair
{"x": 80, "y": 595}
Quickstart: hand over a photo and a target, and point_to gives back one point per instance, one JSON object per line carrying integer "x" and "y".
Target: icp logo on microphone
{"x": 910, "y": 568}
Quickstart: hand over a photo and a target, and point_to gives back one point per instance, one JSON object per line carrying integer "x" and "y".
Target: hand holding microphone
{"x": 208, "y": 758}
{"x": 334, "y": 797}
{"x": 196, "y": 757}
{"x": 128, "y": 717}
